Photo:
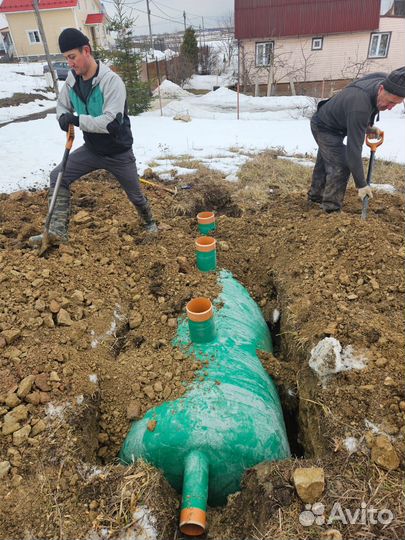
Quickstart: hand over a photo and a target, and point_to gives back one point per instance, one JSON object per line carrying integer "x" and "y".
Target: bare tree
{"x": 356, "y": 66}
{"x": 180, "y": 70}
{"x": 228, "y": 45}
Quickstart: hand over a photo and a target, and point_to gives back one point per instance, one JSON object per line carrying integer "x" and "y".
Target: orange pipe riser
{"x": 201, "y": 320}
{"x": 206, "y": 222}
{"x": 206, "y": 253}
{"x": 193, "y": 521}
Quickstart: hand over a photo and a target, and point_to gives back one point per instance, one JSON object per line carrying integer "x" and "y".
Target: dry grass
{"x": 266, "y": 175}
{"x": 140, "y": 485}
{"x": 387, "y": 172}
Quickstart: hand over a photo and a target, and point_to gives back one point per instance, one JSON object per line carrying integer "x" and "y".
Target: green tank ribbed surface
{"x": 233, "y": 417}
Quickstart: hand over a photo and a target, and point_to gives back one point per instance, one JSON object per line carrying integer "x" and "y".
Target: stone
{"x": 182, "y": 117}
{"x": 54, "y": 306}
{"x": 10, "y": 427}
{"x": 54, "y": 377}
{"x": 82, "y": 217}
{"x": 135, "y": 319}
{"x": 151, "y": 425}
{"x": 17, "y": 414}
{"x": 78, "y": 296}
{"x": 24, "y": 388}
{"x": 39, "y": 427}
{"x": 44, "y": 397}
{"x": 11, "y": 335}
{"x": 4, "y": 468}
{"x": 21, "y": 436}
{"x": 149, "y": 392}
{"x": 63, "y": 318}
{"x": 48, "y": 321}
{"x": 14, "y": 457}
{"x": 158, "y": 387}
{"x": 133, "y": 410}
{"x": 41, "y": 382}
{"x": 384, "y": 454}
{"x": 374, "y": 284}
{"x": 12, "y": 400}
{"x": 309, "y": 483}
{"x": 34, "y": 398}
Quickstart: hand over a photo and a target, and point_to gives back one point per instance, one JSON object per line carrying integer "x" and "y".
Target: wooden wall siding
{"x": 334, "y": 61}
{"x": 280, "y": 18}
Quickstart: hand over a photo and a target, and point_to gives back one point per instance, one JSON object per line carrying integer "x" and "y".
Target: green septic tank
{"x": 230, "y": 421}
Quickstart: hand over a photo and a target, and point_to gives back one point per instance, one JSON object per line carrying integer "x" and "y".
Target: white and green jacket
{"x": 103, "y": 116}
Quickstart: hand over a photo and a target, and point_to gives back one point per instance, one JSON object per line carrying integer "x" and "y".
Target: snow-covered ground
{"x": 29, "y": 150}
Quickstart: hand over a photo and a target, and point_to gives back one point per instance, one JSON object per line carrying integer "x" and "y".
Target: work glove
{"x": 373, "y": 132}
{"x": 365, "y": 191}
{"x": 66, "y": 119}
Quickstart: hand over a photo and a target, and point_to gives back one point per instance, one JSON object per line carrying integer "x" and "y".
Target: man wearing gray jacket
{"x": 93, "y": 99}
{"x": 349, "y": 113}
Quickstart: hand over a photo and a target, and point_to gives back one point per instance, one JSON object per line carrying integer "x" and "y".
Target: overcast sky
{"x": 167, "y": 15}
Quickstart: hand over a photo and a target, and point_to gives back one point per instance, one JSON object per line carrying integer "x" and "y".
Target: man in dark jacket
{"x": 349, "y": 113}
{"x": 93, "y": 98}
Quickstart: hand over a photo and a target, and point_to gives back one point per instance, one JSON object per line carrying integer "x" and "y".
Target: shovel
{"x": 46, "y": 241}
{"x": 373, "y": 144}
{"x": 158, "y": 186}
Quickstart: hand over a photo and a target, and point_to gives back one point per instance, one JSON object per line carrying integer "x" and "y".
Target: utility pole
{"x": 185, "y": 20}
{"x": 150, "y": 29}
{"x": 203, "y": 30}
{"x": 35, "y": 4}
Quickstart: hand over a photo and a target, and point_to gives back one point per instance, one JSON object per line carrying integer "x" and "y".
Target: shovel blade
{"x": 364, "y": 211}
{"x": 45, "y": 244}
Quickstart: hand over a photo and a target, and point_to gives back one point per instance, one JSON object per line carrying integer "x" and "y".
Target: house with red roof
{"x": 316, "y": 46}
{"x": 88, "y": 16}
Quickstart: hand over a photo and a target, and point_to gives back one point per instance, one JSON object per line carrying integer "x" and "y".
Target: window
{"x": 379, "y": 44}
{"x": 34, "y": 37}
{"x": 317, "y": 43}
{"x": 263, "y": 53}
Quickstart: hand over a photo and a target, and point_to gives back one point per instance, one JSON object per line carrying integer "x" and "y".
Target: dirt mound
{"x": 85, "y": 337}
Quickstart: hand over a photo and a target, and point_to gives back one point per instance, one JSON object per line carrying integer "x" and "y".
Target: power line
{"x": 181, "y": 10}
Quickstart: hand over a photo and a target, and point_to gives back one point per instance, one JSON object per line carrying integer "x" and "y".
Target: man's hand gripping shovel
{"x": 373, "y": 143}
{"x": 46, "y": 240}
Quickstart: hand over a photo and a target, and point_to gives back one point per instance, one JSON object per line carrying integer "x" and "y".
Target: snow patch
{"x": 169, "y": 89}
{"x": 351, "y": 444}
{"x": 110, "y": 332}
{"x": 143, "y": 529}
{"x": 328, "y": 357}
{"x": 386, "y": 188}
{"x": 56, "y": 411}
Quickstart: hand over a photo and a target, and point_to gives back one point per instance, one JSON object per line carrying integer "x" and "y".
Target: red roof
{"x": 95, "y": 18}
{"x": 10, "y": 6}
{"x": 277, "y": 18}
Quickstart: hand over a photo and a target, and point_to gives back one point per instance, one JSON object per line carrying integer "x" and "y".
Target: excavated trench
{"x": 281, "y": 254}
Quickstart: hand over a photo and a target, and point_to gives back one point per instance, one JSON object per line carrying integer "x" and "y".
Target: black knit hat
{"x": 71, "y": 38}
{"x": 395, "y": 82}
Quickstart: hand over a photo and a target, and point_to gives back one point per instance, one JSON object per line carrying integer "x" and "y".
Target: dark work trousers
{"x": 331, "y": 174}
{"x": 122, "y": 166}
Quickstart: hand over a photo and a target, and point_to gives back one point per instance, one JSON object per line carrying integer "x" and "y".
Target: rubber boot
{"x": 145, "y": 213}
{"x": 58, "y": 227}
